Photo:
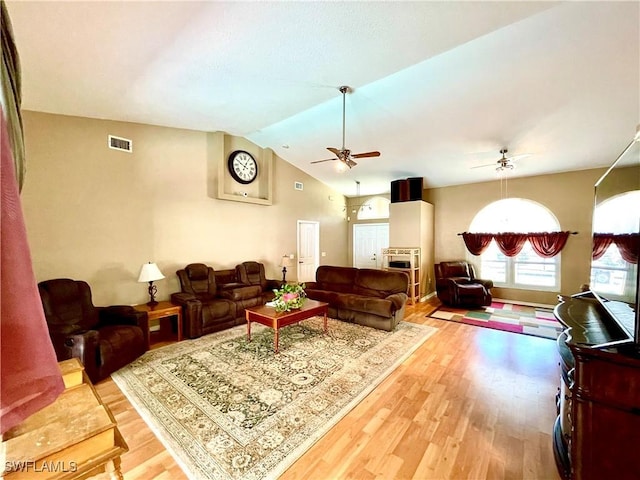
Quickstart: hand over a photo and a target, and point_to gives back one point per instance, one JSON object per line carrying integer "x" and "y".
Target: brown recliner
{"x": 457, "y": 285}
{"x": 104, "y": 339}
{"x": 203, "y": 311}
{"x": 252, "y": 273}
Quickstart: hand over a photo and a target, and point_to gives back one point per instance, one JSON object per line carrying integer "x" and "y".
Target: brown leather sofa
{"x": 374, "y": 298}
{"x": 252, "y": 273}
{"x": 457, "y": 285}
{"x": 104, "y": 339}
{"x": 212, "y": 300}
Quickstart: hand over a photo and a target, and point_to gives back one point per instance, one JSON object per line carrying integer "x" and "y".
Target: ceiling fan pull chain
{"x": 344, "y": 99}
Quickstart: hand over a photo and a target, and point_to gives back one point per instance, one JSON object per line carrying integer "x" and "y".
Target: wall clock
{"x": 242, "y": 167}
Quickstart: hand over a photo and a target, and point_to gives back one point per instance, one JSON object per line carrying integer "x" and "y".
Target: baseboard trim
{"x": 427, "y": 297}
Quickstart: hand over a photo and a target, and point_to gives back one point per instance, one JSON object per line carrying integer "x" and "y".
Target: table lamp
{"x": 150, "y": 273}
{"x": 285, "y": 262}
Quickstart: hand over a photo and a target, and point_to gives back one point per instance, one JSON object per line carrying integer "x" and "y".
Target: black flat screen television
{"x": 615, "y": 275}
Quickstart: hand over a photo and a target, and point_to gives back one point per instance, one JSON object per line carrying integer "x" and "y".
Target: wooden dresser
{"x": 76, "y": 437}
{"x": 597, "y": 434}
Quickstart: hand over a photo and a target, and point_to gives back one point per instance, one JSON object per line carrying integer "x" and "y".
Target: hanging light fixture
{"x": 359, "y": 206}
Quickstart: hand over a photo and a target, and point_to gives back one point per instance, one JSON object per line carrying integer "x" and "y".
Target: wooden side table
{"x": 76, "y": 437}
{"x": 161, "y": 310}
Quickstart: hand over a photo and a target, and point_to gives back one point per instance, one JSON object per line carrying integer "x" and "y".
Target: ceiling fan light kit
{"x": 505, "y": 163}
{"x": 344, "y": 155}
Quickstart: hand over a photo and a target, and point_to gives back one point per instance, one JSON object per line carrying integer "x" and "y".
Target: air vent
{"x": 298, "y": 185}
{"x": 119, "y": 143}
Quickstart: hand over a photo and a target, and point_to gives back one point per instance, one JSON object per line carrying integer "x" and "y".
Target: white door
{"x": 368, "y": 241}
{"x": 308, "y": 250}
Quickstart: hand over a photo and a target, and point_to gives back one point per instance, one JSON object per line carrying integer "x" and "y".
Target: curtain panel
{"x": 11, "y": 95}
{"x": 545, "y": 244}
{"x": 628, "y": 245}
{"x": 477, "y": 243}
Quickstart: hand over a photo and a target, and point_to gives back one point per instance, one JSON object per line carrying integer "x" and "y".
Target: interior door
{"x": 368, "y": 241}
{"x": 308, "y": 250}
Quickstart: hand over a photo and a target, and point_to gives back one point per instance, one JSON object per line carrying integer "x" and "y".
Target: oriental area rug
{"x": 226, "y": 408}
{"x": 528, "y": 320}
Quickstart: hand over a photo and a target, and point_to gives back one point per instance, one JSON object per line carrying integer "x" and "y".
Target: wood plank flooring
{"x": 471, "y": 403}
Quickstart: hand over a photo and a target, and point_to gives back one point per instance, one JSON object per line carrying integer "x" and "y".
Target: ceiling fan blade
{"x": 365, "y": 155}
{"x": 335, "y": 151}
{"x": 350, "y": 163}
{"x": 518, "y": 157}
{"x": 494, "y": 164}
{"x": 325, "y": 160}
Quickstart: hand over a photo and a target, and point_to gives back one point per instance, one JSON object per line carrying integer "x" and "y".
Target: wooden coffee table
{"x": 268, "y": 316}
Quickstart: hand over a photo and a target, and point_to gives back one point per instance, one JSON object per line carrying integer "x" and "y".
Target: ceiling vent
{"x": 119, "y": 143}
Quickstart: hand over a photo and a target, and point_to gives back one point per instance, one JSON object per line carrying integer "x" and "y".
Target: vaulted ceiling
{"x": 438, "y": 87}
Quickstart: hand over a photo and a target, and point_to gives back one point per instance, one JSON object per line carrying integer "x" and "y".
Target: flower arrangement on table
{"x": 289, "y": 297}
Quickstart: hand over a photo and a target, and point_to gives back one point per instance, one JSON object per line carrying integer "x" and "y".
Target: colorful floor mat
{"x": 509, "y": 317}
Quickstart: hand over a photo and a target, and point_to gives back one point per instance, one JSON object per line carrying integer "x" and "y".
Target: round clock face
{"x": 243, "y": 167}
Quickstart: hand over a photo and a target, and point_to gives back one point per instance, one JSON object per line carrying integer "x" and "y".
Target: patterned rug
{"x": 536, "y": 321}
{"x": 228, "y": 409}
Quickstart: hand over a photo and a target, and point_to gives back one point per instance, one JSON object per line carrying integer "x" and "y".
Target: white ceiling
{"x": 439, "y": 87}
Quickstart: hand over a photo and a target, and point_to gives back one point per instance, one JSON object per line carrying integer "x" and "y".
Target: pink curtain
{"x": 31, "y": 379}
{"x": 477, "y": 243}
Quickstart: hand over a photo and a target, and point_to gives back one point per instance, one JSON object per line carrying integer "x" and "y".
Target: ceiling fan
{"x": 504, "y": 163}
{"x": 344, "y": 154}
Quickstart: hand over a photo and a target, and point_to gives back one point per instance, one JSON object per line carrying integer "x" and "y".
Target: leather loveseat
{"x": 374, "y": 298}
{"x": 252, "y": 273}
{"x": 212, "y": 300}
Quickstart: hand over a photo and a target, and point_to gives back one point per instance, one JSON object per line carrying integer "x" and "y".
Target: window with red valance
{"x": 628, "y": 245}
{"x": 545, "y": 244}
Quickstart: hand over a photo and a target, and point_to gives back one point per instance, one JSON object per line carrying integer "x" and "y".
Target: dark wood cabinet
{"x": 601, "y": 434}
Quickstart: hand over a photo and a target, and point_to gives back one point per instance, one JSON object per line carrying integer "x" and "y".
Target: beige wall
{"x": 352, "y": 218}
{"x": 97, "y": 214}
{"x": 569, "y": 196}
{"x": 410, "y": 226}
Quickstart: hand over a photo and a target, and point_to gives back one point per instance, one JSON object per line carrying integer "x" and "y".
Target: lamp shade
{"x": 285, "y": 261}
{"x": 150, "y": 273}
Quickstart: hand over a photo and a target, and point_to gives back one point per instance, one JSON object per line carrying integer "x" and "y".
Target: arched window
{"x": 610, "y": 273}
{"x": 527, "y": 269}
{"x": 376, "y": 207}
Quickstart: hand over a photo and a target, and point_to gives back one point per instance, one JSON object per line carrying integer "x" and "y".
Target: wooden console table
{"x": 76, "y": 437}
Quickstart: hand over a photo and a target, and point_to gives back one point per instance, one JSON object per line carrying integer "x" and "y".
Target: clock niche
{"x": 258, "y": 191}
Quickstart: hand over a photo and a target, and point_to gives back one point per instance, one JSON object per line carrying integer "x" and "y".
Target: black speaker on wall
{"x": 399, "y": 190}
{"x": 406, "y": 190}
{"x": 415, "y": 188}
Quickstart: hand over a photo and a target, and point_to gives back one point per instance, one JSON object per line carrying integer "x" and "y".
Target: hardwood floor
{"x": 471, "y": 403}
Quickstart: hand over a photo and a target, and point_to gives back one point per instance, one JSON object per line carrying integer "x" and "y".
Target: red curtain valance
{"x": 477, "y": 242}
{"x": 545, "y": 244}
{"x": 628, "y": 245}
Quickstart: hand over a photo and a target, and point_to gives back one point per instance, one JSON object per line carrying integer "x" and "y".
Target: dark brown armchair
{"x": 104, "y": 339}
{"x": 252, "y": 273}
{"x": 203, "y": 310}
{"x": 457, "y": 285}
